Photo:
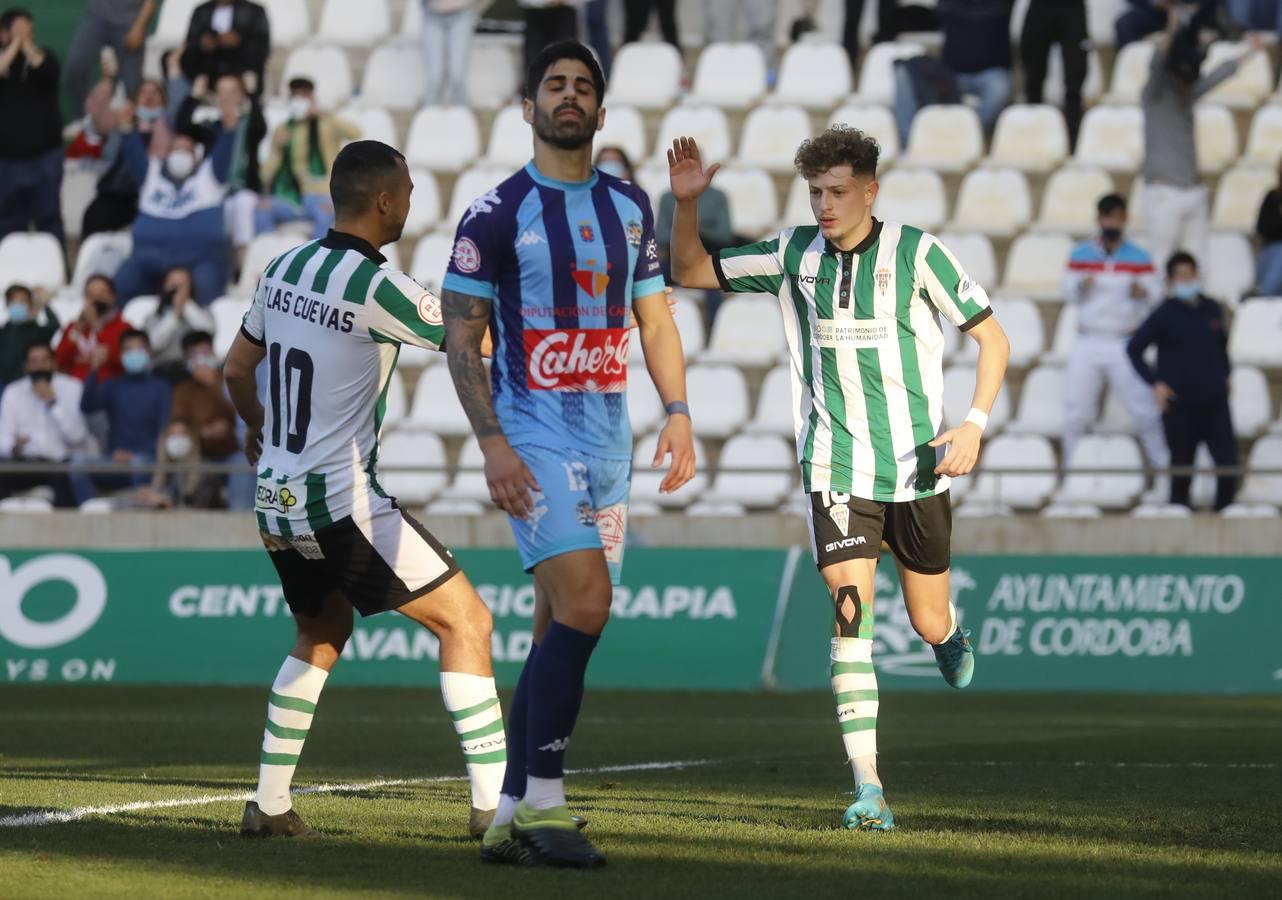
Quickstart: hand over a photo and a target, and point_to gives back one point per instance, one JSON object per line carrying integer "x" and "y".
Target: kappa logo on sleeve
{"x": 482, "y": 205}
{"x": 467, "y": 256}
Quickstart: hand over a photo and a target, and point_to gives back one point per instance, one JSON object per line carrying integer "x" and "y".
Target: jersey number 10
{"x": 297, "y": 372}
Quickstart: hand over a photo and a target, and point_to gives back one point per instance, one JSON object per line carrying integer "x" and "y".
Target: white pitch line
{"x": 59, "y": 817}
{"x": 1076, "y": 764}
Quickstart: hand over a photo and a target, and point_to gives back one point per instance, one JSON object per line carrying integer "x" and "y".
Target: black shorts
{"x": 376, "y": 566}
{"x": 919, "y": 532}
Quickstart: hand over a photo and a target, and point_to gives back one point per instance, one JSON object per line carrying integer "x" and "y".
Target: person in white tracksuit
{"x": 1112, "y": 284}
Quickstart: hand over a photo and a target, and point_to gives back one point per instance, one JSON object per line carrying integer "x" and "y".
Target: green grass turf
{"x": 986, "y": 790}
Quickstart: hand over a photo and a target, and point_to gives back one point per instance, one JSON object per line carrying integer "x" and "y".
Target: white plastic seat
{"x": 646, "y": 74}
{"x": 959, "y": 388}
{"x": 1229, "y": 269}
{"x": 1035, "y": 264}
{"x": 79, "y": 187}
{"x": 994, "y": 201}
{"x": 436, "y": 407}
{"x": 1022, "y": 321}
{"x": 444, "y": 139}
{"x": 813, "y": 75}
{"x": 946, "y": 137}
{"x": 1264, "y": 139}
{"x": 262, "y": 250}
{"x": 1068, "y": 202}
{"x": 732, "y": 76}
{"x": 394, "y": 76}
{"x": 469, "y": 483}
{"x": 407, "y": 449}
{"x": 1238, "y": 197}
{"x": 1249, "y": 401}
{"x": 1065, "y": 334}
{"x": 412, "y": 21}
{"x": 425, "y": 203}
{"x": 1100, "y": 17}
{"x": 912, "y": 195}
{"x": 1161, "y": 511}
{"x": 228, "y": 313}
{"x": 706, "y": 124}
{"x": 774, "y": 404}
{"x": 754, "y": 470}
{"x": 375, "y": 123}
{"x": 431, "y": 259}
{"x": 291, "y": 22}
{"x": 877, "y": 73}
{"x": 1130, "y": 73}
{"x": 138, "y": 309}
{"x": 1111, "y": 137}
{"x": 1015, "y": 452}
{"x": 1041, "y": 404}
{"x": 351, "y": 24}
{"x": 493, "y": 66}
{"x": 754, "y": 209}
{"x": 646, "y": 481}
{"x": 645, "y": 407}
{"x": 1033, "y": 138}
{"x": 624, "y": 128}
{"x": 770, "y": 137}
{"x": 1256, "y": 334}
{"x": 1215, "y": 138}
{"x": 34, "y": 259}
{"x": 1257, "y": 487}
{"x": 1085, "y": 484}
{"x": 1058, "y": 510}
{"x": 101, "y": 254}
{"x": 1252, "y": 83}
{"x": 327, "y": 67}
{"x": 173, "y": 21}
{"x": 719, "y": 398}
{"x": 689, "y": 318}
{"x": 747, "y": 332}
{"x": 975, "y": 253}
{"x": 471, "y": 187}
{"x": 875, "y": 121}
{"x": 1250, "y": 511}
{"x": 510, "y": 143}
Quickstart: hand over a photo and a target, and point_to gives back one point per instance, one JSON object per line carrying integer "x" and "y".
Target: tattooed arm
{"x": 467, "y": 319}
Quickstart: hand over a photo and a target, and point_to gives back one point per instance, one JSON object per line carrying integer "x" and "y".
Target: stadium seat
{"x": 732, "y": 76}
{"x": 470, "y": 187}
{"x": 875, "y": 121}
{"x": 425, "y": 203}
{"x": 754, "y": 210}
{"x": 999, "y": 480}
{"x": 327, "y": 67}
{"x": 1130, "y": 73}
{"x": 1085, "y": 484}
{"x": 262, "y": 250}
{"x": 689, "y": 318}
{"x": 1250, "y": 511}
{"x": 646, "y": 481}
{"x": 1041, "y": 404}
{"x": 1022, "y": 321}
{"x": 449, "y": 506}
{"x": 720, "y": 395}
{"x": 775, "y": 404}
{"x": 1065, "y": 334}
{"x": 1060, "y": 510}
{"x": 393, "y": 254}
{"x": 412, "y": 21}
{"x": 138, "y": 309}
{"x": 1031, "y": 138}
{"x": 1112, "y": 137}
{"x": 1229, "y": 270}
{"x": 1215, "y": 138}
{"x": 646, "y": 75}
{"x": 1035, "y": 264}
{"x": 959, "y": 388}
{"x": 436, "y": 406}
{"x": 228, "y": 313}
{"x": 770, "y": 137}
{"x": 993, "y": 201}
{"x": 394, "y": 76}
{"x": 172, "y": 22}
{"x": 1238, "y": 197}
{"x": 26, "y": 504}
{"x": 33, "y": 259}
{"x": 747, "y": 332}
{"x": 291, "y": 22}
{"x": 1092, "y": 87}
{"x": 624, "y": 128}
{"x": 1258, "y": 487}
{"x": 753, "y": 470}
{"x": 720, "y": 509}
{"x": 79, "y": 187}
{"x": 431, "y": 259}
{"x": 1256, "y": 334}
{"x": 797, "y": 208}
{"x": 813, "y": 75}
{"x": 511, "y": 142}
{"x": 375, "y": 123}
{"x": 100, "y": 254}
{"x": 350, "y": 24}
{"x": 645, "y": 407}
{"x": 493, "y": 66}
{"x": 1250, "y": 86}
{"x": 1264, "y": 139}
{"x": 947, "y": 138}
{"x": 409, "y": 449}
{"x": 975, "y": 253}
{"x": 1068, "y": 202}
{"x": 652, "y": 177}
{"x": 444, "y": 139}
{"x": 877, "y": 74}
{"x": 1100, "y": 18}
{"x": 1113, "y": 417}
{"x": 706, "y": 124}
{"x": 469, "y": 484}
{"x": 1249, "y": 400}
{"x": 913, "y": 196}
{"x": 1161, "y": 511}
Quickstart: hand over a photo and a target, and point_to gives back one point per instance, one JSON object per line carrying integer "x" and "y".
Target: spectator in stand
{"x": 115, "y": 206}
{"x": 23, "y": 330}
{"x": 614, "y": 161}
{"x": 118, "y": 24}
{"x": 137, "y": 405}
{"x": 201, "y": 401}
{"x": 177, "y": 316}
{"x": 1113, "y": 284}
{"x": 546, "y": 22}
{"x": 1191, "y": 381}
{"x": 448, "y": 27}
{"x": 596, "y": 12}
{"x": 31, "y": 134}
{"x": 228, "y": 37}
{"x": 1255, "y": 15}
{"x": 302, "y": 155}
{"x": 715, "y": 231}
{"x": 1268, "y": 272}
{"x": 889, "y": 16}
{"x": 636, "y": 18}
{"x": 41, "y": 423}
{"x": 1175, "y": 203}
{"x": 976, "y": 60}
{"x": 1050, "y": 23}
{"x": 99, "y": 327}
{"x": 752, "y": 21}
{"x": 172, "y": 485}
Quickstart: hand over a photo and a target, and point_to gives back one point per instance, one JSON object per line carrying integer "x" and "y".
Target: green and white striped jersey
{"x": 866, "y": 351}
{"x": 332, "y": 322}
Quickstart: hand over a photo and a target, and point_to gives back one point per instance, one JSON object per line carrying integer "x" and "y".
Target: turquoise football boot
{"x": 869, "y": 812}
{"x": 956, "y": 659}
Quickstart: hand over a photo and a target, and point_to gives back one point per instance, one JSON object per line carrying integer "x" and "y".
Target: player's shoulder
{"x": 497, "y": 206}
{"x": 629, "y": 189}
{"x": 909, "y": 240}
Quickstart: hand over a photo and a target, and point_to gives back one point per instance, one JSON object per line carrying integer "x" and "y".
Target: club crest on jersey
{"x": 883, "y": 279}
{"x": 467, "y": 256}
{"x": 429, "y": 308}
{"x": 592, "y": 283}
{"x": 633, "y": 231}
{"x": 586, "y": 232}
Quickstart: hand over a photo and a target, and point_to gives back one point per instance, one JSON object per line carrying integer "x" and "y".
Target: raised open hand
{"x": 685, "y": 170}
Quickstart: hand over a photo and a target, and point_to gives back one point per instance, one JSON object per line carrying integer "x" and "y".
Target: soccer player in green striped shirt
{"x": 861, "y": 302}
{"x": 330, "y": 321}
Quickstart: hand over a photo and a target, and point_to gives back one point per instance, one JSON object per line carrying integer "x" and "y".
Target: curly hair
{"x": 840, "y": 145}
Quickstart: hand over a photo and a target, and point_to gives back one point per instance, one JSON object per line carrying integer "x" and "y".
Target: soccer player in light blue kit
{"x": 555, "y": 260}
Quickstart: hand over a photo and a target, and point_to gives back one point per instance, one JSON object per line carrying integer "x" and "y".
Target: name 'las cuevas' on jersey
{"x": 866, "y": 351}
{"x": 332, "y": 322}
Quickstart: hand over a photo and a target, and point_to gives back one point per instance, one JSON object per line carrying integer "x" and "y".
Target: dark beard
{"x": 563, "y": 134}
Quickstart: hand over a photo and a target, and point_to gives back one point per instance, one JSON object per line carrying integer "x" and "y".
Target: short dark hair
{"x": 18, "y": 289}
{"x": 15, "y": 12}
{"x": 302, "y": 84}
{"x": 193, "y": 338}
{"x": 133, "y": 334}
{"x": 1179, "y": 258}
{"x": 1110, "y": 203}
{"x": 105, "y": 279}
{"x": 554, "y": 53}
{"x": 840, "y": 145}
{"x": 38, "y": 345}
{"x": 362, "y": 170}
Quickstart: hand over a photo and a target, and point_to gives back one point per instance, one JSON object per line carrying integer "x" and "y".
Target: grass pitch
{"x": 994, "y": 796}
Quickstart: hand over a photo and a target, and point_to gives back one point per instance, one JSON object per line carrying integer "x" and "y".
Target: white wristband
{"x": 978, "y": 417}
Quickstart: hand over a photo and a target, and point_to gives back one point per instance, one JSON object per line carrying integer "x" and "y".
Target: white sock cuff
{"x": 462, "y": 690}
{"x": 299, "y": 679}
{"x": 851, "y": 649}
{"x": 952, "y": 619}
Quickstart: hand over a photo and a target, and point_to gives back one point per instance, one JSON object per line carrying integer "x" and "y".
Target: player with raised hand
{"x": 553, "y": 260}
{"x": 861, "y": 300}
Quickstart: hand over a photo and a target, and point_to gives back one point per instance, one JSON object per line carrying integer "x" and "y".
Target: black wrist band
{"x": 678, "y": 408}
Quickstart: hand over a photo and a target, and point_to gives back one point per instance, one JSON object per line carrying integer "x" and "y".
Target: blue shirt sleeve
{"x": 481, "y": 243}
{"x": 647, "y": 277}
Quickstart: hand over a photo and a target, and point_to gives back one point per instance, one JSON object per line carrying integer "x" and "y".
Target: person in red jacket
{"x": 100, "y": 324}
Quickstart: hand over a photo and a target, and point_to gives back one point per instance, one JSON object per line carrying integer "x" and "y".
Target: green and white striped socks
{"x": 289, "y": 717}
{"x": 473, "y": 704}
{"x": 854, "y": 683}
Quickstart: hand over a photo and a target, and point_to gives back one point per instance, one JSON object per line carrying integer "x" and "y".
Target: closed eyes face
{"x": 566, "y": 113}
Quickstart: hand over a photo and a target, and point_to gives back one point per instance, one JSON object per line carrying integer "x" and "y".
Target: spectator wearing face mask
{"x": 22, "y": 330}
{"x": 302, "y": 155}
{"x": 115, "y": 205}
{"x": 118, "y": 24}
{"x": 177, "y": 315}
{"x": 614, "y": 161}
{"x": 202, "y": 402}
{"x": 137, "y": 405}
{"x": 41, "y": 423}
{"x": 1191, "y": 379}
{"x": 99, "y": 327}
{"x": 172, "y": 485}
{"x": 227, "y": 37}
